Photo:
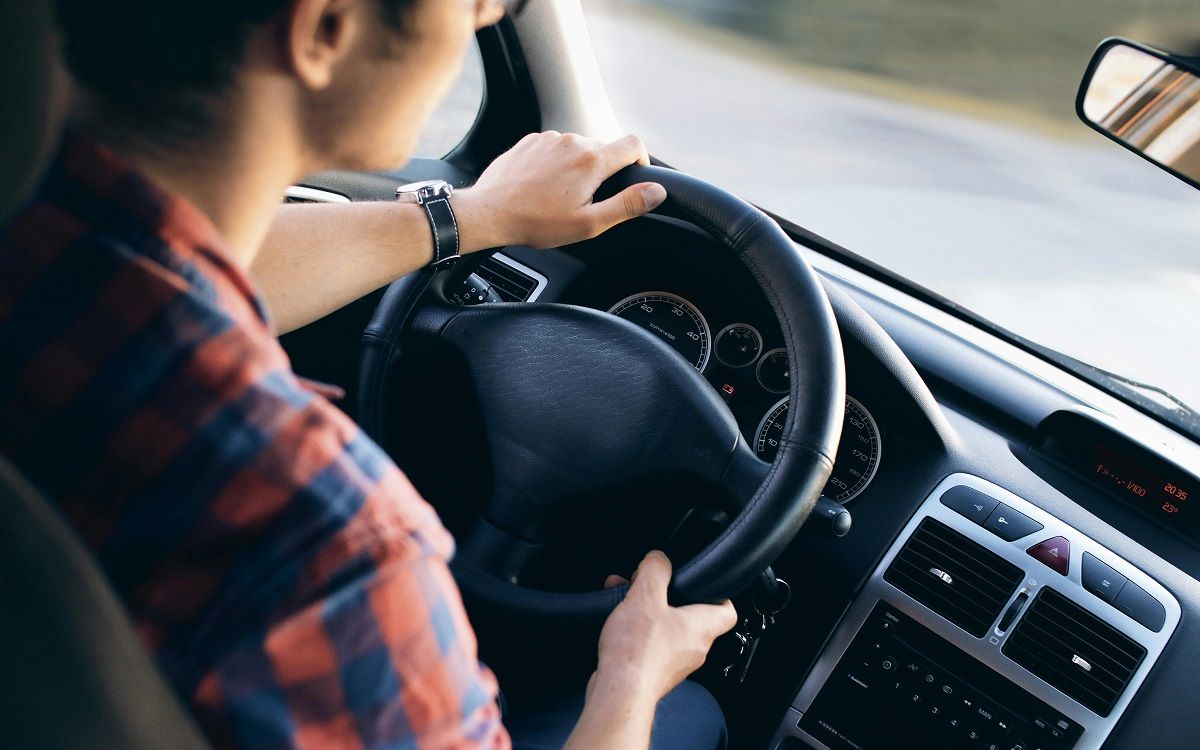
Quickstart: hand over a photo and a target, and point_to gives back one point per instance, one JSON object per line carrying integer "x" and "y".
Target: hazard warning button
{"x": 1055, "y": 553}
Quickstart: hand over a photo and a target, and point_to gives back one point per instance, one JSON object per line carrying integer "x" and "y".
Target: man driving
{"x": 290, "y": 582}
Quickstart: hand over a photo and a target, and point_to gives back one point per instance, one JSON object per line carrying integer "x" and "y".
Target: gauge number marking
{"x": 673, "y": 319}
{"x": 858, "y": 450}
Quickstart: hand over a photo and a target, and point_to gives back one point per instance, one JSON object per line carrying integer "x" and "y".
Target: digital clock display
{"x": 1162, "y": 495}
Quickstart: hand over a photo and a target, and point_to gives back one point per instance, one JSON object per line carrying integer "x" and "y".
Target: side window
{"x": 456, "y": 114}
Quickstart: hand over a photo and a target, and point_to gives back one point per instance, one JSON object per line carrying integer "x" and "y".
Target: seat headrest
{"x": 35, "y": 94}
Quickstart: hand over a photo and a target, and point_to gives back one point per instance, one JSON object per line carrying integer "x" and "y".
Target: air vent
{"x": 302, "y": 194}
{"x": 954, "y": 576}
{"x": 1074, "y": 651}
{"x": 512, "y": 281}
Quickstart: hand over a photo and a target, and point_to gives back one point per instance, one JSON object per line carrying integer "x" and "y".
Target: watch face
{"x": 413, "y": 187}
{"x": 424, "y": 190}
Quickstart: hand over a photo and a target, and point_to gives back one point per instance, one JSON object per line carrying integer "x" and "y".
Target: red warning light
{"x": 727, "y": 389}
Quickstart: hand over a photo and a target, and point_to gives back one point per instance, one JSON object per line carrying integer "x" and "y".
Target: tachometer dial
{"x": 671, "y": 318}
{"x": 738, "y": 345}
{"x": 774, "y": 372}
{"x": 857, "y": 456}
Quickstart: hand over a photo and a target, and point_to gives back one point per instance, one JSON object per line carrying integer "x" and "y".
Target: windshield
{"x": 937, "y": 138}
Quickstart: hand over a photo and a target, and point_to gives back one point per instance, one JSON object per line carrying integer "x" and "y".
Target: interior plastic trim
{"x": 988, "y": 649}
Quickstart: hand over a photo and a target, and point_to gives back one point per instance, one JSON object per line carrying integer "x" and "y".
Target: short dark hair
{"x": 161, "y": 62}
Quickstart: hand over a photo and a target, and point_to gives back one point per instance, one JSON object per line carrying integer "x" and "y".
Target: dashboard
{"x": 751, "y": 378}
{"x": 1079, "y": 522}
{"x": 987, "y": 622}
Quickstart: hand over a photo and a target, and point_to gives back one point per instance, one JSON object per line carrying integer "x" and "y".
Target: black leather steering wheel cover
{"x": 808, "y": 444}
{"x": 380, "y": 345}
{"x": 773, "y": 516}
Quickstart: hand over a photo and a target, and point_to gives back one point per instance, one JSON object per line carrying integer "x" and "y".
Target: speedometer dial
{"x": 858, "y": 451}
{"x": 673, "y": 319}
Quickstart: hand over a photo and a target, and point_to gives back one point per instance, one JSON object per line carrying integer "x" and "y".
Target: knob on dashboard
{"x": 830, "y": 516}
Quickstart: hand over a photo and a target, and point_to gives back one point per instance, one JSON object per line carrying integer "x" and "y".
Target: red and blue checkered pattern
{"x": 290, "y": 581}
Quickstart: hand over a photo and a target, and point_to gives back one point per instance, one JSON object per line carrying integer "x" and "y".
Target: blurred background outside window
{"x": 937, "y": 138}
{"x": 452, "y": 120}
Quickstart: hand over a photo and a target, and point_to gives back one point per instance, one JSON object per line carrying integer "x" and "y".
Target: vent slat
{"x": 508, "y": 282}
{"x": 925, "y": 550}
{"x": 1075, "y": 688}
{"x": 1048, "y": 634}
{"x": 970, "y": 620}
{"x": 981, "y": 582}
{"x": 1118, "y": 663}
{"x": 1054, "y": 631}
{"x": 969, "y": 550}
{"x": 920, "y": 573}
{"x": 1132, "y": 659}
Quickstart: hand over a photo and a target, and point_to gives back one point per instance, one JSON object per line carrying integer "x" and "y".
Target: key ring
{"x": 783, "y": 594}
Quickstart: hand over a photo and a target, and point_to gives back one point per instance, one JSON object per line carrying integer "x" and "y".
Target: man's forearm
{"x": 539, "y": 193}
{"x": 615, "y": 717}
{"x": 319, "y": 257}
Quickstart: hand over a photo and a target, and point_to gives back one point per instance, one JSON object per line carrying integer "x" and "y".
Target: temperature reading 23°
{"x": 858, "y": 451}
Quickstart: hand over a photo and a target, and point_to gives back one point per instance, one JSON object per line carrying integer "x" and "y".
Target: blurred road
{"x": 1071, "y": 242}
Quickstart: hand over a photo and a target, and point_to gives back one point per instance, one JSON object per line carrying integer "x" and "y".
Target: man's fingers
{"x": 623, "y": 152}
{"x": 653, "y": 574}
{"x": 630, "y": 203}
{"x": 714, "y": 619}
{"x": 614, "y": 580}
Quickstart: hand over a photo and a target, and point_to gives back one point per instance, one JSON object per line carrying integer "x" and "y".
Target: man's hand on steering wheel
{"x": 647, "y": 647}
{"x": 539, "y": 193}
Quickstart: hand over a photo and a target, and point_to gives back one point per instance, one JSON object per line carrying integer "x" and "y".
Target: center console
{"x": 989, "y": 624}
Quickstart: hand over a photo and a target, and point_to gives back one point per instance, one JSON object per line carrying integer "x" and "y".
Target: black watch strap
{"x": 446, "y": 245}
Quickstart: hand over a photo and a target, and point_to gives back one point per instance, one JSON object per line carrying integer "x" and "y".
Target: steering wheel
{"x": 575, "y": 401}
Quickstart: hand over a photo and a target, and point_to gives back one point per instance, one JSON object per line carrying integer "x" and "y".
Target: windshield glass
{"x": 937, "y": 138}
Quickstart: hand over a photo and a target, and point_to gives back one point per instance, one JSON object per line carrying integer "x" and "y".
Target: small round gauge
{"x": 858, "y": 451}
{"x": 671, "y": 318}
{"x": 738, "y": 345}
{"x": 774, "y": 372}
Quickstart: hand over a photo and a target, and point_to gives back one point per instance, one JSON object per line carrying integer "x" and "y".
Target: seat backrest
{"x": 74, "y": 674}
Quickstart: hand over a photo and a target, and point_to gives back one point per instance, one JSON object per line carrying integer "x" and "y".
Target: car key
{"x": 750, "y": 632}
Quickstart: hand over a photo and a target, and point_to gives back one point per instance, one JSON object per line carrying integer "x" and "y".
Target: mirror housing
{"x": 1148, "y": 101}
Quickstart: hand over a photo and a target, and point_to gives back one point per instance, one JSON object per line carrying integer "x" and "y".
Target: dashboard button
{"x": 1141, "y": 606}
{"x": 971, "y": 503}
{"x": 1054, "y": 553}
{"x": 1010, "y": 525}
{"x": 1100, "y": 579}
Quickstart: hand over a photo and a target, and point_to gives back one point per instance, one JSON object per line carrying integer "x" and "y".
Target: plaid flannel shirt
{"x": 291, "y": 583}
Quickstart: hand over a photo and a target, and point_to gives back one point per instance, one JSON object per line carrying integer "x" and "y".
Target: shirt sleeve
{"x": 386, "y": 659}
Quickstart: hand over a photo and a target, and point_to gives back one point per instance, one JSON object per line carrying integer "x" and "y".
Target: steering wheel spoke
{"x": 744, "y": 476}
{"x": 490, "y": 548}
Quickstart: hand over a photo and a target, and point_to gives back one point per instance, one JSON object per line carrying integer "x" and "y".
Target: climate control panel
{"x": 985, "y": 601}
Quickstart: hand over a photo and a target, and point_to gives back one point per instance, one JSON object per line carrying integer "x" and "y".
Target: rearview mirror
{"x": 1148, "y": 101}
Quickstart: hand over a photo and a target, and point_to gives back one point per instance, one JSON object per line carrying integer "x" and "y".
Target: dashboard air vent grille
{"x": 1074, "y": 651}
{"x": 303, "y": 194}
{"x": 509, "y": 283}
{"x": 959, "y": 579}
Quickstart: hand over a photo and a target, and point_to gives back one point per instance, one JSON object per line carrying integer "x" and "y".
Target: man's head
{"x": 352, "y": 80}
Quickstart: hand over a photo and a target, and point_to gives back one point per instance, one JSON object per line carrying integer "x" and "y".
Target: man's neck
{"x": 236, "y": 178}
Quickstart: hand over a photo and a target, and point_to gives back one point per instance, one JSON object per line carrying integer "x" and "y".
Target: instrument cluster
{"x": 751, "y": 378}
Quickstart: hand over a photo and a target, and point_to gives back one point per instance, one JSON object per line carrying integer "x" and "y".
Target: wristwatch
{"x": 434, "y": 197}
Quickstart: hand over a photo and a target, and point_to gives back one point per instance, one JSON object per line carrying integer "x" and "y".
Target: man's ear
{"x": 319, "y": 35}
